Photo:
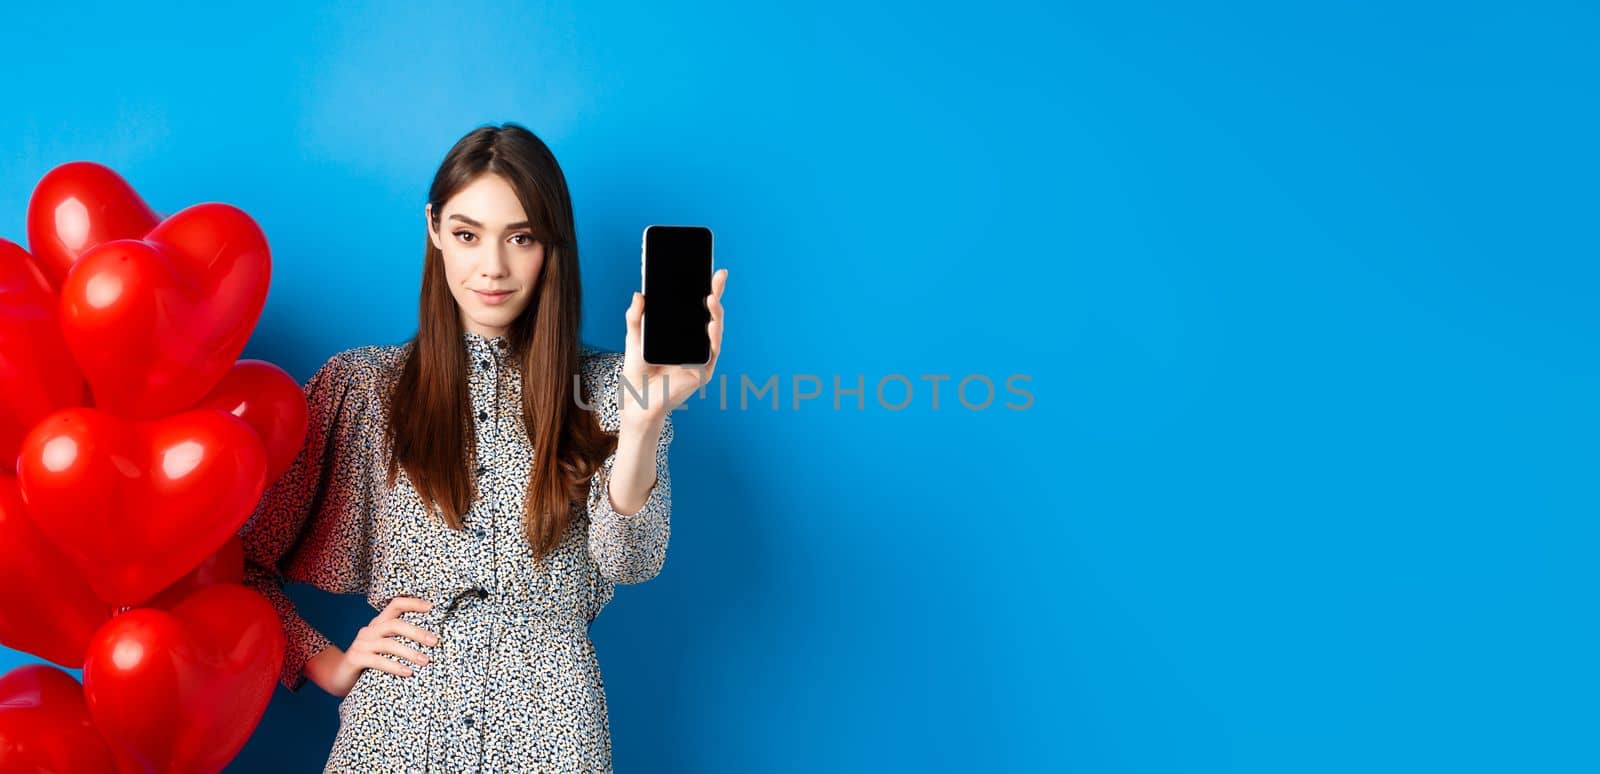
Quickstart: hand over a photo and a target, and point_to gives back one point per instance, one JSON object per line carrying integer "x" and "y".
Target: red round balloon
{"x": 45, "y": 607}
{"x": 268, "y": 399}
{"x": 45, "y": 725}
{"x": 155, "y": 323}
{"x": 37, "y": 373}
{"x": 77, "y": 206}
{"x": 183, "y": 690}
{"x": 136, "y": 505}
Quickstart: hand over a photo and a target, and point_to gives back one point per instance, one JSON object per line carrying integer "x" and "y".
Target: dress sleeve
{"x": 311, "y": 524}
{"x": 633, "y": 548}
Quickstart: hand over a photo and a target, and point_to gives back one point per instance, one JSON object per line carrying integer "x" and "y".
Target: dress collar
{"x": 481, "y": 345}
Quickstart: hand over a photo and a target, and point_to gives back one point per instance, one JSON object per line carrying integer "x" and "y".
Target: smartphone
{"x": 675, "y": 277}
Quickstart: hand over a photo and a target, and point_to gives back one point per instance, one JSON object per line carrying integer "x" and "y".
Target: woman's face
{"x": 491, "y": 261}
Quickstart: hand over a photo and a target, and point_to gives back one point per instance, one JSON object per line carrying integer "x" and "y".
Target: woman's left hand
{"x": 675, "y": 382}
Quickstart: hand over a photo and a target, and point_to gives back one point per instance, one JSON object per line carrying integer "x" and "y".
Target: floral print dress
{"x": 513, "y": 684}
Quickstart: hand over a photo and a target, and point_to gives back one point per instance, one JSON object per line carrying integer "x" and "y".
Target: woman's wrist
{"x": 323, "y": 669}
{"x": 641, "y": 433}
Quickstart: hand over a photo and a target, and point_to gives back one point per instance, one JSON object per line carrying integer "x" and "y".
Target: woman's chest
{"x": 415, "y": 552}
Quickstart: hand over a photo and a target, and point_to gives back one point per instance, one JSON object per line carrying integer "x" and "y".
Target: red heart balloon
{"x": 45, "y": 607}
{"x": 77, "y": 206}
{"x": 224, "y": 566}
{"x": 45, "y": 725}
{"x": 37, "y": 374}
{"x": 155, "y": 323}
{"x": 269, "y": 400}
{"x": 182, "y": 690}
{"x": 136, "y": 505}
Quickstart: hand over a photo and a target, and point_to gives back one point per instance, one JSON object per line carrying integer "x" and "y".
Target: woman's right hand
{"x": 374, "y": 641}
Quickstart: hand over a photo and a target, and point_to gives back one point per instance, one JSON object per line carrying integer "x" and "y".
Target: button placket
{"x": 493, "y": 383}
{"x": 495, "y": 369}
{"x": 483, "y": 392}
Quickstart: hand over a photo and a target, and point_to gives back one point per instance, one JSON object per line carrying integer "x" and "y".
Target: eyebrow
{"x": 471, "y": 222}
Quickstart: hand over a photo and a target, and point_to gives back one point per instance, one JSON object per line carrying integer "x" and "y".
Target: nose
{"x": 495, "y": 263}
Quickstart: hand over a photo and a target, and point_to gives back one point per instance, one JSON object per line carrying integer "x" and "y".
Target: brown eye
{"x": 462, "y": 235}
{"x": 528, "y": 237}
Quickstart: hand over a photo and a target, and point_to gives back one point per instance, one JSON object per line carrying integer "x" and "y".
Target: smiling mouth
{"x": 493, "y": 297}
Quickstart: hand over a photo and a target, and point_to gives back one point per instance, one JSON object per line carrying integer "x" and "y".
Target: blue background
{"x": 1306, "y": 295}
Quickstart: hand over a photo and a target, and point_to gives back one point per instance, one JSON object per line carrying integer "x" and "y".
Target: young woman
{"x": 485, "y": 484}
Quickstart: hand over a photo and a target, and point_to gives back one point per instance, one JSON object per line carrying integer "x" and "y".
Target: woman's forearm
{"x": 634, "y": 471}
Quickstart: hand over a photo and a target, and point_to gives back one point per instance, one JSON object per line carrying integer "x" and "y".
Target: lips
{"x": 493, "y": 298}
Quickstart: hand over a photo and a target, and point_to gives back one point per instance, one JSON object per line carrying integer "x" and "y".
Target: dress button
{"x": 481, "y": 415}
{"x": 467, "y": 721}
{"x": 486, "y": 363}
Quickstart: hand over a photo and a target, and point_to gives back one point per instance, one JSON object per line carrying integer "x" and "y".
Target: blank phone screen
{"x": 677, "y": 279}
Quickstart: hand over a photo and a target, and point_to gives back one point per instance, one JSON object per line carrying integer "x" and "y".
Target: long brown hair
{"x": 430, "y": 423}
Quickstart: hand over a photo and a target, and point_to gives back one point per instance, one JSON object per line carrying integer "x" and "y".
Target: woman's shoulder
{"x": 366, "y": 368}
{"x": 602, "y": 376}
{"x": 592, "y": 356}
{"x": 375, "y": 357}
{"x": 598, "y": 367}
